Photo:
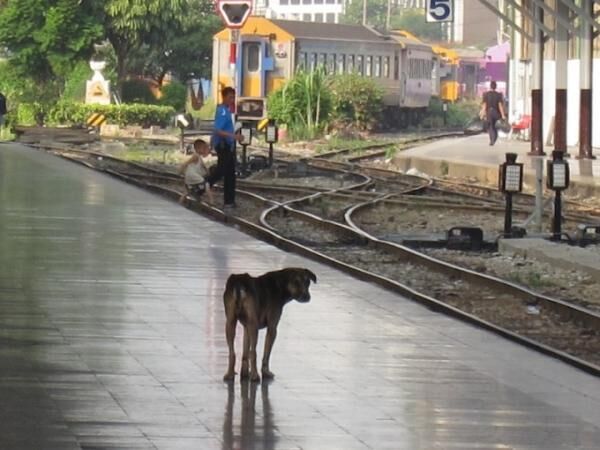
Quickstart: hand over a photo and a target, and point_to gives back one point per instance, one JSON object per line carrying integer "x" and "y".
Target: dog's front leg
{"x": 230, "y": 334}
{"x": 269, "y": 340}
{"x": 245, "y": 355}
{"x": 253, "y": 338}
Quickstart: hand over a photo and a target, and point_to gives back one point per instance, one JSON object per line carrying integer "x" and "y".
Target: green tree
{"x": 186, "y": 52}
{"x": 46, "y": 38}
{"x": 413, "y": 20}
{"x": 131, "y": 24}
{"x": 376, "y": 13}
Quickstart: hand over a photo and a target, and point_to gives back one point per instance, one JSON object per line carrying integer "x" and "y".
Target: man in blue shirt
{"x": 223, "y": 141}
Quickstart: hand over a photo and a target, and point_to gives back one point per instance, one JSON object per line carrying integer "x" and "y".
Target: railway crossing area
{"x": 112, "y": 336}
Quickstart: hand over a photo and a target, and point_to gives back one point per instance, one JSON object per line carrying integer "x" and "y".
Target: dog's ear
{"x": 311, "y": 275}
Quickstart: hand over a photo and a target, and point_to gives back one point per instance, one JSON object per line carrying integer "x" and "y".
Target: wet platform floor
{"x": 112, "y": 336}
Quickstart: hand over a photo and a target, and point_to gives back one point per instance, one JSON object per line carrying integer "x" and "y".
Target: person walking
{"x": 3, "y": 111}
{"x": 492, "y": 109}
{"x": 223, "y": 141}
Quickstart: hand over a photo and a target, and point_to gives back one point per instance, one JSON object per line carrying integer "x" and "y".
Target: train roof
{"x": 328, "y": 31}
{"x": 409, "y": 41}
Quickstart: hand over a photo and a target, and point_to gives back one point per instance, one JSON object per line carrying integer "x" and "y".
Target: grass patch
{"x": 532, "y": 279}
{"x": 152, "y": 154}
{"x": 337, "y": 143}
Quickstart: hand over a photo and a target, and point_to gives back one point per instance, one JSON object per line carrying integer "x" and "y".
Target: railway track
{"x": 289, "y": 216}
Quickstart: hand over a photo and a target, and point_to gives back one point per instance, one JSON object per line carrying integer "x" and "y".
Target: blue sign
{"x": 440, "y": 11}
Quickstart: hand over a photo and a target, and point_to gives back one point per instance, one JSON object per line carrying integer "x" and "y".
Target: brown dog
{"x": 258, "y": 303}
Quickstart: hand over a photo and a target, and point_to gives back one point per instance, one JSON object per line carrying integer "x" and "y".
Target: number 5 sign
{"x": 440, "y": 11}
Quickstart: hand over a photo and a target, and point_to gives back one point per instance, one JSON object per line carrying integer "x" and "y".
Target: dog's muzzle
{"x": 304, "y": 298}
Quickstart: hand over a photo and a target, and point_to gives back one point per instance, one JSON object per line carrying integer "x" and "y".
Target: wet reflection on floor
{"x": 240, "y": 428}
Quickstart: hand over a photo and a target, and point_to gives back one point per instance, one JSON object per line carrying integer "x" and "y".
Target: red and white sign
{"x": 234, "y": 12}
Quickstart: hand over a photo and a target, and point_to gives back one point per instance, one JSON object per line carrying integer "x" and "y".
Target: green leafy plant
{"x": 70, "y": 113}
{"x": 137, "y": 91}
{"x": 304, "y": 104}
{"x": 174, "y": 95}
{"x": 358, "y": 101}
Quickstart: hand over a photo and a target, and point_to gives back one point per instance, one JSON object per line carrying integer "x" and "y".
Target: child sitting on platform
{"x": 195, "y": 171}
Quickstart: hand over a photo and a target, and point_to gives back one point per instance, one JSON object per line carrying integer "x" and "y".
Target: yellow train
{"x": 270, "y": 51}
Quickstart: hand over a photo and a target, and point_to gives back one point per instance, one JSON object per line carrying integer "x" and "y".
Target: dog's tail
{"x": 238, "y": 285}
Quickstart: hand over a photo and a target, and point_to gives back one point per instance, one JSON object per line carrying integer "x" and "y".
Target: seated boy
{"x": 195, "y": 171}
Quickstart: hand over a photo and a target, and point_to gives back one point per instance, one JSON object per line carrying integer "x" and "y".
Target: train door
{"x": 254, "y": 64}
{"x": 251, "y": 69}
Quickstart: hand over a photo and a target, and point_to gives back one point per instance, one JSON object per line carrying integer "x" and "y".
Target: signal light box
{"x": 234, "y": 13}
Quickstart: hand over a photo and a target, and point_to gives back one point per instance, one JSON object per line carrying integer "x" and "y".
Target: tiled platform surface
{"x": 473, "y": 156}
{"x": 111, "y": 336}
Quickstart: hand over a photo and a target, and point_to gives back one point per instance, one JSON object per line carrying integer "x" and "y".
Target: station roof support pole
{"x": 507, "y": 19}
{"x": 531, "y": 16}
{"x": 562, "y": 19}
{"x": 561, "y": 45}
{"x": 585, "y": 13}
{"x": 585, "y": 81}
{"x": 537, "y": 83}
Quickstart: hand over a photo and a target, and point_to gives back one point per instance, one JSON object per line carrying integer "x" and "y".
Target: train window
{"x": 306, "y": 17}
{"x": 318, "y": 2}
{"x": 386, "y": 67}
{"x": 252, "y": 56}
{"x": 331, "y": 2}
{"x": 341, "y": 63}
{"x": 377, "y": 71}
{"x": 331, "y": 64}
{"x": 283, "y": 2}
{"x": 302, "y": 61}
{"x": 396, "y": 66}
{"x": 369, "y": 66}
{"x": 319, "y": 17}
{"x": 330, "y": 18}
{"x": 313, "y": 61}
{"x": 359, "y": 64}
{"x": 295, "y": 2}
{"x": 350, "y": 65}
{"x": 323, "y": 60}
{"x": 307, "y": 2}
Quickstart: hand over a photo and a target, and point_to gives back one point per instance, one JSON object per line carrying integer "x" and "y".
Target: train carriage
{"x": 271, "y": 51}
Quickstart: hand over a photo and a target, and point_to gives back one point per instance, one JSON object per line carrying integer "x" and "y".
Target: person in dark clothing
{"x": 3, "y": 109}
{"x": 224, "y": 139}
{"x": 492, "y": 109}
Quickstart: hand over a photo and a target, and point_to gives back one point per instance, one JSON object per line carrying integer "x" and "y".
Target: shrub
{"x": 174, "y": 95}
{"x": 137, "y": 91}
{"x": 358, "y": 101}
{"x": 75, "y": 83}
{"x": 27, "y": 114}
{"x": 458, "y": 115}
{"x": 70, "y": 113}
{"x": 304, "y": 104}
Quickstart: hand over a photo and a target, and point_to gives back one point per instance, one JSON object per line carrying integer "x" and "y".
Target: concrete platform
{"x": 112, "y": 336}
{"x": 559, "y": 255}
{"x": 472, "y": 156}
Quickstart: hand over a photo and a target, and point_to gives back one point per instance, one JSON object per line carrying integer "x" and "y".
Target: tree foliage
{"x": 47, "y": 41}
{"x": 409, "y": 19}
{"x": 185, "y": 51}
{"x": 46, "y": 38}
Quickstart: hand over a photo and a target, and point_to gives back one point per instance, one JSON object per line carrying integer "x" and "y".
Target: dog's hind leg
{"x": 245, "y": 355}
{"x": 269, "y": 340}
{"x": 230, "y": 334}
{"x": 253, "y": 338}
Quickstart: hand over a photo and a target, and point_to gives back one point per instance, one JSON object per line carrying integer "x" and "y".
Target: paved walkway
{"x": 473, "y": 156}
{"x": 111, "y": 336}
